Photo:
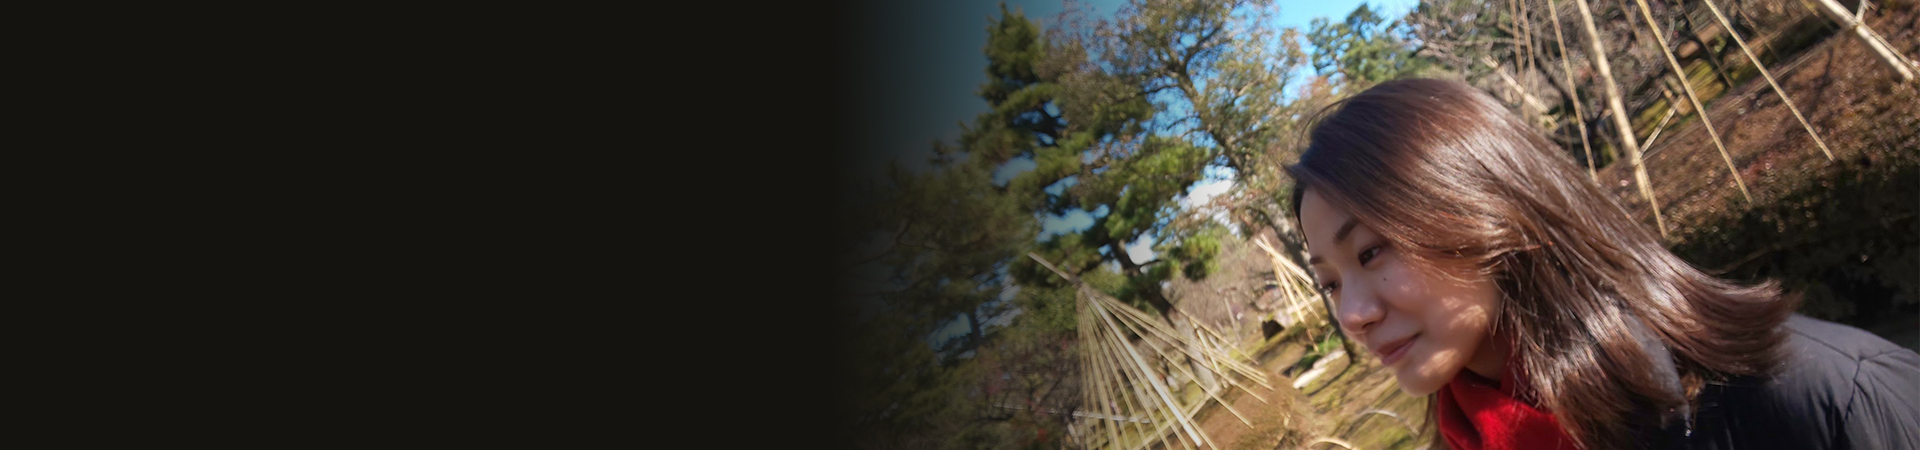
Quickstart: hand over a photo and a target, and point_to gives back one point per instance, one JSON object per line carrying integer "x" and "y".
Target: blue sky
{"x": 922, "y": 62}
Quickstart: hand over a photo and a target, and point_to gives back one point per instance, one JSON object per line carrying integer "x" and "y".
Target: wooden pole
{"x": 1712, "y": 58}
{"x": 1128, "y": 403}
{"x": 1619, "y": 110}
{"x": 1159, "y": 388}
{"x": 1281, "y": 281}
{"x": 1724, "y": 23}
{"x": 1579, "y": 118}
{"x": 1867, "y": 36}
{"x": 1140, "y": 324}
{"x": 1139, "y": 364}
{"x": 1134, "y": 400}
{"x": 1661, "y": 126}
{"x": 1526, "y": 31}
{"x": 1295, "y": 298}
{"x": 1681, "y": 73}
{"x": 1107, "y": 404}
{"x": 1532, "y": 107}
{"x": 1137, "y": 367}
{"x": 1190, "y": 374}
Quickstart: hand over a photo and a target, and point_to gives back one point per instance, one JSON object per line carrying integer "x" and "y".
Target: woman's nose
{"x": 1358, "y": 308}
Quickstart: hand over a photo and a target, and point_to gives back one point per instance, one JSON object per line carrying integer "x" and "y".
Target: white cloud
{"x": 1072, "y": 222}
{"x": 1012, "y": 168}
{"x": 1204, "y": 191}
{"x": 1141, "y": 250}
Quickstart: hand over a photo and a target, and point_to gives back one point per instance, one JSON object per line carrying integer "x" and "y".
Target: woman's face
{"x": 1425, "y": 329}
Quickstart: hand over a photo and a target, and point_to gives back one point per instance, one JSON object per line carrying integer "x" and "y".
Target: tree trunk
{"x": 1619, "y": 109}
{"x": 1867, "y": 36}
{"x": 1202, "y": 373}
{"x": 973, "y": 330}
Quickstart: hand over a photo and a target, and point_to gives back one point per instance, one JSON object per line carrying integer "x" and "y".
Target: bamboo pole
{"x": 1115, "y": 431}
{"x": 1620, "y": 114}
{"x": 1685, "y": 86}
{"x": 1190, "y": 374}
{"x": 1223, "y": 358}
{"x": 1162, "y": 430}
{"x": 1579, "y": 118}
{"x": 1139, "y": 323}
{"x": 1090, "y": 393}
{"x": 1673, "y": 105}
{"x": 1867, "y": 36}
{"x": 1106, "y": 404}
{"x": 1712, "y": 58}
{"x": 1133, "y": 405}
{"x": 1096, "y": 385}
{"x": 1159, "y": 388}
{"x": 1127, "y": 403}
{"x": 1533, "y": 50}
{"x": 1086, "y": 376}
{"x": 1114, "y": 363}
{"x": 1533, "y": 109}
{"x": 1329, "y": 440}
{"x": 1513, "y": 15}
{"x": 1770, "y": 82}
{"x": 1157, "y": 328}
{"x": 1101, "y": 313}
{"x": 1293, "y": 293}
{"x": 1283, "y": 261}
{"x": 1658, "y": 128}
{"x": 1088, "y": 370}
{"x": 1107, "y": 349}
{"x": 1526, "y": 36}
{"x": 1094, "y": 309}
{"x": 1137, "y": 326}
{"x": 1131, "y": 400}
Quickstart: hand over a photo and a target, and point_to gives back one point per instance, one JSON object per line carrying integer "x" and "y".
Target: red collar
{"x": 1477, "y": 413}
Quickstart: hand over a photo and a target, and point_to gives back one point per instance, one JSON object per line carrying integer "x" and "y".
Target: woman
{"x": 1486, "y": 270}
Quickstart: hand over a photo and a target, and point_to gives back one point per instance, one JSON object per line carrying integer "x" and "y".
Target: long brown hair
{"x": 1613, "y": 333}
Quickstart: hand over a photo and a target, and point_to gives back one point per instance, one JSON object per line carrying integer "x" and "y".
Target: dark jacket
{"x": 1842, "y": 388}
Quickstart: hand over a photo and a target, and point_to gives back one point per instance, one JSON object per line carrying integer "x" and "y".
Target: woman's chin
{"x": 1419, "y": 389}
{"x": 1415, "y": 383}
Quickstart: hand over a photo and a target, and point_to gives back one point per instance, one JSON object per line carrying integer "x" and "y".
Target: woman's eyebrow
{"x": 1339, "y": 236}
{"x": 1345, "y": 229}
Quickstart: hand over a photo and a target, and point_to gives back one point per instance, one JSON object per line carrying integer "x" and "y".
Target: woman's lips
{"x": 1393, "y": 351}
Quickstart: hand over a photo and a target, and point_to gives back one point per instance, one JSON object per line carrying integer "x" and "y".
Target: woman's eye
{"x": 1329, "y": 288}
{"x": 1369, "y": 253}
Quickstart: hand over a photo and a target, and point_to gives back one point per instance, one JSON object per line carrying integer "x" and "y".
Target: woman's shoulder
{"x": 1818, "y": 341}
{"x": 1841, "y": 386}
{"x": 1829, "y": 366}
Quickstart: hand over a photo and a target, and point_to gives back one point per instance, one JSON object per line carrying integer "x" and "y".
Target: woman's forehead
{"x": 1318, "y": 216}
